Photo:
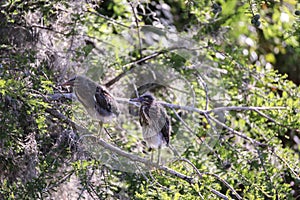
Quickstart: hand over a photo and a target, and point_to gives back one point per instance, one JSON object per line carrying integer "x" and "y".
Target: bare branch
{"x": 219, "y": 194}
{"x": 203, "y": 142}
{"x": 60, "y": 116}
{"x": 133, "y": 64}
{"x": 262, "y": 162}
{"x": 145, "y": 161}
{"x": 286, "y": 163}
{"x": 137, "y": 26}
{"x": 240, "y": 108}
{"x": 107, "y": 18}
{"x": 123, "y": 153}
{"x": 205, "y": 89}
{"x": 237, "y": 132}
{"x": 206, "y": 113}
{"x": 187, "y": 108}
{"x": 219, "y": 109}
{"x": 227, "y": 184}
{"x": 267, "y": 117}
{"x": 86, "y": 185}
{"x": 193, "y": 166}
{"x": 214, "y": 175}
{"x": 64, "y": 179}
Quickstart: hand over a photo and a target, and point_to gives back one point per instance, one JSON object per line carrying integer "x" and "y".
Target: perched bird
{"x": 156, "y": 126}
{"x": 97, "y": 101}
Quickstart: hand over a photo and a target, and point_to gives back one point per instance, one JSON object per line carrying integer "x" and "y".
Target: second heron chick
{"x": 156, "y": 126}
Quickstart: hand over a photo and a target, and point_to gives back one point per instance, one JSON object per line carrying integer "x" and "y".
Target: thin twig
{"x": 237, "y": 132}
{"x": 286, "y": 163}
{"x": 251, "y": 184}
{"x": 268, "y": 117}
{"x": 216, "y": 176}
{"x": 203, "y": 142}
{"x": 95, "y": 192}
{"x": 67, "y": 34}
{"x": 265, "y": 170}
{"x": 193, "y": 166}
{"x": 60, "y": 181}
{"x": 107, "y": 18}
{"x": 86, "y": 185}
{"x": 137, "y": 27}
{"x": 227, "y": 184}
{"x": 219, "y": 194}
{"x": 240, "y": 108}
{"x": 205, "y": 89}
{"x": 133, "y": 64}
{"x": 215, "y": 110}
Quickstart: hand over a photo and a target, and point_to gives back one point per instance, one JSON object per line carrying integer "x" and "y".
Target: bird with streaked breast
{"x": 156, "y": 126}
{"x": 97, "y": 101}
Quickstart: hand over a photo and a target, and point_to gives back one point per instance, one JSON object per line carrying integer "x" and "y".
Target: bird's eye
{"x": 147, "y": 98}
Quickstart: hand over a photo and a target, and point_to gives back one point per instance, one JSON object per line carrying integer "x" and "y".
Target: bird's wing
{"x": 160, "y": 121}
{"x": 111, "y": 102}
{"x": 144, "y": 116}
{"x": 166, "y": 130}
{"x": 103, "y": 99}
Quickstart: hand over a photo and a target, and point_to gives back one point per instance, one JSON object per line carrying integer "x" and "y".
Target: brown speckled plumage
{"x": 155, "y": 122}
{"x": 98, "y": 102}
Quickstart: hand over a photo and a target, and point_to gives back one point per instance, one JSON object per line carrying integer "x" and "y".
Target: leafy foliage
{"x": 233, "y": 54}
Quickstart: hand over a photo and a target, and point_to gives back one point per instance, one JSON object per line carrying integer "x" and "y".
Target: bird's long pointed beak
{"x": 68, "y": 83}
{"x": 139, "y": 99}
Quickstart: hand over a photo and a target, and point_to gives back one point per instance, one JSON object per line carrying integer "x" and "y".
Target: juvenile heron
{"x": 156, "y": 126}
{"x": 97, "y": 101}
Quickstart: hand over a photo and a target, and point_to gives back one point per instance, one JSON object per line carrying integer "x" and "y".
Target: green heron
{"x": 97, "y": 101}
{"x": 155, "y": 123}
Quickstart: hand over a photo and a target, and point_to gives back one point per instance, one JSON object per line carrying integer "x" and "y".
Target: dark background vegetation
{"x": 247, "y": 51}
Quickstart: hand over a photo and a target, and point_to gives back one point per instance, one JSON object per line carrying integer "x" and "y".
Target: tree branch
{"x": 237, "y": 132}
{"x": 227, "y": 184}
{"x": 219, "y": 194}
{"x": 133, "y": 8}
{"x": 214, "y": 175}
{"x": 133, "y": 64}
{"x": 240, "y": 108}
{"x": 122, "y": 153}
{"x": 107, "y": 18}
{"x": 207, "y": 112}
{"x": 144, "y": 161}
{"x": 286, "y": 163}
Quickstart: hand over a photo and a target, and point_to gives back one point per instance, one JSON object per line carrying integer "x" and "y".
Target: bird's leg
{"x": 151, "y": 156}
{"x": 100, "y": 123}
{"x": 158, "y": 158}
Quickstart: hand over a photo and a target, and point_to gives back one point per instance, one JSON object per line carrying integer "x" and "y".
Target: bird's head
{"x": 73, "y": 81}
{"x": 146, "y": 99}
{"x": 70, "y": 82}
